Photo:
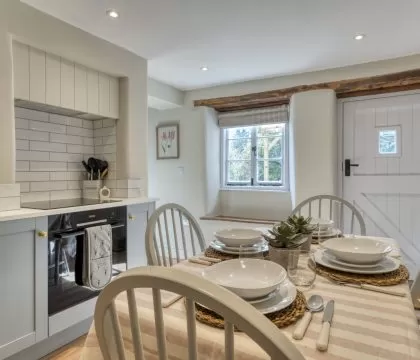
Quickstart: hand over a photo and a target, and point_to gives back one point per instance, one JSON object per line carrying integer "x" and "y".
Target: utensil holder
{"x": 91, "y": 189}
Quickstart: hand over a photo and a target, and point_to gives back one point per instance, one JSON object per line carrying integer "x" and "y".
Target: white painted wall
{"x": 162, "y": 96}
{"x": 313, "y": 144}
{"x": 47, "y": 33}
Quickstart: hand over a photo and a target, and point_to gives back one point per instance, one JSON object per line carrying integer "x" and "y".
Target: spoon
{"x": 314, "y": 304}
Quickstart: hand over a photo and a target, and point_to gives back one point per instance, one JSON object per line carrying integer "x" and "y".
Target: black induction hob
{"x": 65, "y": 203}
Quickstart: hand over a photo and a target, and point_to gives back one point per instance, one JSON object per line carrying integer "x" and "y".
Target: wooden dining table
{"x": 366, "y": 326}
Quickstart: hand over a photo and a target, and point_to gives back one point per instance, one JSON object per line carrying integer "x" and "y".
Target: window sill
{"x": 237, "y": 219}
{"x": 255, "y": 188}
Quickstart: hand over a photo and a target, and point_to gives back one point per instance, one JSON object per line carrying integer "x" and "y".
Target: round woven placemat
{"x": 392, "y": 278}
{"x": 210, "y": 252}
{"x": 281, "y": 318}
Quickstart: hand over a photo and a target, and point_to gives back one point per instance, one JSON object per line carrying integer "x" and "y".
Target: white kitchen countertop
{"x": 31, "y": 213}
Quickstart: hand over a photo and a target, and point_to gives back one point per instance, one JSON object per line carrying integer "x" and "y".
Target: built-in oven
{"x": 66, "y": 234}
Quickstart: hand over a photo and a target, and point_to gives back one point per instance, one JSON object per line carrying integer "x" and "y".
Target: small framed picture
{"x": 167, "y": 141}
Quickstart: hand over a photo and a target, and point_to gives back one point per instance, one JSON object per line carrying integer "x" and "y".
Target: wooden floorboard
{"x": 71, "y": 351}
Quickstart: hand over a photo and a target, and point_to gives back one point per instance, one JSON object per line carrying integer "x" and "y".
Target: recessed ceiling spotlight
{"x": 204, "y": 68}
{"x": 112, "y": 13}
{"x": 359, "y": 37}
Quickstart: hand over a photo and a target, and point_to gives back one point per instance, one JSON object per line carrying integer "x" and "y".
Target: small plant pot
{"x": 307, "y": 244}
{"x": 283, "y": 256}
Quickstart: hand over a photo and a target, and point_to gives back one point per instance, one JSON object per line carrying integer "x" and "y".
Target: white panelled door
{"x": 382, "y": 136}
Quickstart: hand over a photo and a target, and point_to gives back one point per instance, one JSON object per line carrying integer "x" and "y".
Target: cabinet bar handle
{"x": 131, "y": 217}
{"x": 42, "y": 234}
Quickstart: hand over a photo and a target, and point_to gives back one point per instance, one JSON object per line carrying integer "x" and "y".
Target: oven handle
{"x": 102, "y": 221}
{"x": 82, "y": 232}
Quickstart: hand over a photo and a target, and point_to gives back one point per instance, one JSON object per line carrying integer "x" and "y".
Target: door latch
{"x": 347, "y": 165}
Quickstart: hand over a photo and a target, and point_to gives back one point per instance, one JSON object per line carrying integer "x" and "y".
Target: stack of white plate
{"x": 357, "y": 254}
{"x": 229, "y": 241}
{"x": 262, "y": 283}
{"x": 325, "y": 229}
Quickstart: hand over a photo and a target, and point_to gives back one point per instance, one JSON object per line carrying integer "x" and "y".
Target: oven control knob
{"x": 42, "y": 234}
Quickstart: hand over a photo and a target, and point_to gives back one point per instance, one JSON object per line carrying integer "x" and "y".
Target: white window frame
{"x": 224, "y": 164}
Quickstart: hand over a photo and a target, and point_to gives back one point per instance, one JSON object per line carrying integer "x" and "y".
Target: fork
{"x": 370, "y": 288}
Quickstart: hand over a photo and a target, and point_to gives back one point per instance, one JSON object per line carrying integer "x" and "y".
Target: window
{"x": 255, "y": 156}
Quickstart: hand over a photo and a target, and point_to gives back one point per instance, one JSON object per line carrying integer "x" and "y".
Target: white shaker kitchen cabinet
{"x": 21, "y": 70}
{"x": 23, "y": 284}
{"x": 93, "y": 91}
{"x": 67, "y": 84}
{"x": 114, "y": 92}
{"x": 104, "y": 95}
{"x": 137, "y": 217}
{"x": 37, "y": 81}
{"x": 53, "y": 76}
{"x": 80, "y": 88}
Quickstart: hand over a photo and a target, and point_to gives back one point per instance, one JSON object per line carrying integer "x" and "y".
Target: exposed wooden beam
{"x": 402, "y": 81}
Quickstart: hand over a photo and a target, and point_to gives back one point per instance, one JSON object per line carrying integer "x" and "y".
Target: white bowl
{"x": 247, "y": 278}
{"x": 355, "y": 250}
{"x": 323, "y": 224}
{"x": 237, "y": 237}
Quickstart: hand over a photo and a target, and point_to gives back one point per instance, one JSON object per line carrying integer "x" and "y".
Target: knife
{"x": 322, "y": 342}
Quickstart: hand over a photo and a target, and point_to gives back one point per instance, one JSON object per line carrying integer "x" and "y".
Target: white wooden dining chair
{"x": 332, "y": 208}
{"x": 234, "y": 310}
{"x": 415, "y": 295}
{"x": 172, "y": 235}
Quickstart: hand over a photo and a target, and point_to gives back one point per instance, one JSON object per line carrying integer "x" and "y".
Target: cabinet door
{"x": 136, "y": 228}
{"x": 114, "y": 97}
{"x": 93, "y": 91}
{"x": 21, "y": 70}
{"x": 53, "y": 76}
{"x": 67, "y": 84}
{"x": 36, "y": 75}
{"x": 80, "y": 88}
{"x": 23, "y": 284}
{"x": 104, "y": 95}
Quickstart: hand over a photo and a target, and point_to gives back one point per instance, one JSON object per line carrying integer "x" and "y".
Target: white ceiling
{"x": 246, "y": 39}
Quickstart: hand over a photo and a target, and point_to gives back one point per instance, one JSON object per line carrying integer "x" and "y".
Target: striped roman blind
{"x": 270, "y": 115}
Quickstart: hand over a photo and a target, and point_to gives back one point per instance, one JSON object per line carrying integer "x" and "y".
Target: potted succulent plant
{"x": 304, "y": 227}
{"x": 283, "y": 237}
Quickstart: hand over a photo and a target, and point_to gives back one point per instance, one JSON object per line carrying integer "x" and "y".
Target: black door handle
{"x": 347, "y": 165}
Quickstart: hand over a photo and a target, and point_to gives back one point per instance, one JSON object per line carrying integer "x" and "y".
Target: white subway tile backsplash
{"x": 44, "y": 126}
{"x": 58, "y": 175}
{"x": 22, "y": 165}
{"x": 109, "y": 140}
{"x": 97, "y": 141}
{"x": 66, "y": 139}
{"x": 21, "y": 123}
{"x": 31, "y": 114}
{"x": 24, "y": 187}
{"x": 22, "y": 145}
{"x": 32, "y": 155}
{"x": 48, "y": 166}
{"x": 58, "y": 119}
{"x": 108, "y": 122}
{"x": 47, "y": 146}
{"x": 35, "y": 196}
{"x": 74, "y": 185}
{"x": 97, "y": 124}
{"x": 50, "y": 149}
{"x": 32, "y": 135}
{"x": 88, "y": 124}
{"x": 32, "y": 176}
{"x": 67, "y": 194}
{"x": 104, "y": 131}
{"x": 88, "y": 141}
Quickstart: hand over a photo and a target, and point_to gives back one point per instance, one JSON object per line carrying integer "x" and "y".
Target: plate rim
{"x": 356, "y": 266}
{"x": 292, "y": 287}
{"x": 319, "y": 253}
{"x": 229, "y": 251}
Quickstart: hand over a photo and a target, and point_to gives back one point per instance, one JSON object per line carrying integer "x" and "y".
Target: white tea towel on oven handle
{"x": 97, "y": 267}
